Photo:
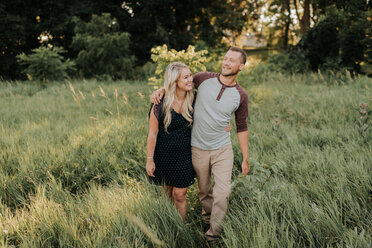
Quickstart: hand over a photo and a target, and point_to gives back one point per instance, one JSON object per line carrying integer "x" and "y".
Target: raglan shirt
{"x": 214, "y": 106}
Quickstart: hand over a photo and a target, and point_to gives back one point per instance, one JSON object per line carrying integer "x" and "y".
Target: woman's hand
{"x": 150, "y": 167}
{"x": 228, "y": 128}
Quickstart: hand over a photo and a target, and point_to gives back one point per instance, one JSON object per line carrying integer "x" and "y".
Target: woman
{"x": 169, "y": 141}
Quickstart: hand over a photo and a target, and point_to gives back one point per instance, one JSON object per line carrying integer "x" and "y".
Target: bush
{"x": 103, "y": 50}
{"x": 46, "y": 63}
{"x": 292, "y": 62}
{"x": 162, "y": 57}
{"x": 145, "y": 71}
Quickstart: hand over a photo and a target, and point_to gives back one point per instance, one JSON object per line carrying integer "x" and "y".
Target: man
{"x": 218, "y": 97}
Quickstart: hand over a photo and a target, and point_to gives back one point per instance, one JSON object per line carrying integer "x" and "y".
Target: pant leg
{"x": 222, "y": 162}
{"x": 201, "y": 163}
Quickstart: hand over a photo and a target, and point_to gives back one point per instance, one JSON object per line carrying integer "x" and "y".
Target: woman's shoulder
{"x": 157, "y": 108}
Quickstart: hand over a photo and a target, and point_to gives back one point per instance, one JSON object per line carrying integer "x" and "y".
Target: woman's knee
{"x": 179, "y": 194}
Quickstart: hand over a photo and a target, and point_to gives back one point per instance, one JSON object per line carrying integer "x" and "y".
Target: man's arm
{"x": 198, "y": 79}
{"x": 157, "y": 95}
{"x": 243, "y": 142}
{"x": 241, "y": 115}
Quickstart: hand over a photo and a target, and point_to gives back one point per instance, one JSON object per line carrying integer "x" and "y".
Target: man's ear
{"x": 241, "y": 66}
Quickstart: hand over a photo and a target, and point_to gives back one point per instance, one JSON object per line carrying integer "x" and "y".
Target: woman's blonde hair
{"x": 171, "y": 75}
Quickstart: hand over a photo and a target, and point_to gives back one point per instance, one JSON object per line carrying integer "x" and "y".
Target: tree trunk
{"x": 305, "y": 20}
{"x": 287, "y": 24}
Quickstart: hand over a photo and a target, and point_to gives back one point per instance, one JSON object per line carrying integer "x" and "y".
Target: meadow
{"x": 72, "y": 166}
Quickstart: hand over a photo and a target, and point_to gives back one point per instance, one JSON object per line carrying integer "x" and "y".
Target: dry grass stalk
{"x": 103, "y": 92}
{"x": 74, "y": 95}
{"x": 117, "y": 103}
{"x": 147, "y": 231}
{"x": 109, "y": 111}
{"x": 82, "y": 95}
{"x": 125, "y": 99}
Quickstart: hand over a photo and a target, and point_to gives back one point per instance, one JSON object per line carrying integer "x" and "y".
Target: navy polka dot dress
{"x": 172, "y": 156}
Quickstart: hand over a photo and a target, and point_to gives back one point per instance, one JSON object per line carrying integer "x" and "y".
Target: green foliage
{"x": 46, "y": 63}
{"x": 12, "y": 29}
{"x": 146, "y": 71}
{"x": 209, "y": 20}
{"x": 175, "y": 23}
{"x": 179, "y": 23}
{"x": 292, "y": 62}
{"x": 103, "y": 50}
{"x": 149, "y": 23}
{"x": 195, "y": 60}
{"x": 339, "y": 40}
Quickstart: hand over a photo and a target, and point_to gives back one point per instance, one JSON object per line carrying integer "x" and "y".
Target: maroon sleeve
{"x": 200, "y": 77}
{"x": 241, "y": 114}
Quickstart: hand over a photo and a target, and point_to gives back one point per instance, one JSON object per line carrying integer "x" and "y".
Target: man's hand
{"x": 157, "y": 95}
{"x": 245, "y": 167}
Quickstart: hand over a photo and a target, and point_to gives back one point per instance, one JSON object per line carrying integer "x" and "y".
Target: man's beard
{"x": 231, "y": 74}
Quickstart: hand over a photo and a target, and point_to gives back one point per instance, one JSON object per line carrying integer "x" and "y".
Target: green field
{"x": 72, "y": 158}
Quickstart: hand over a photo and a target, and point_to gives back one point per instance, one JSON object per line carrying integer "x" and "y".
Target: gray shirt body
{"x": 214, "y": 106}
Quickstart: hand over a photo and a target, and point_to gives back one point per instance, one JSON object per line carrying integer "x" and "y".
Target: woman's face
{"x": 184, "y": 81}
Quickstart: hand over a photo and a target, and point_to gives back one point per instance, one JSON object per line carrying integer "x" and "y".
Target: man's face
{"x": 231, "y": 64}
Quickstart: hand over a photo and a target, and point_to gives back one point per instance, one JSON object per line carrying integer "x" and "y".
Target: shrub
{"x": 162, "y": 57}
{"x": 145, "y": 71}
{"x": 45, "y": 63}
{"x": 292, "y": 62}
{"x": 103, "y": 50}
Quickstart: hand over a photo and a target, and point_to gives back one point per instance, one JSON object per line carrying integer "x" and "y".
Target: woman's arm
{"x": 151, "y": 142}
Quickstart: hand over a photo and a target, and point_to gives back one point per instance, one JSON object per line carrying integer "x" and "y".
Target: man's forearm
{"x": 243, "y": 142}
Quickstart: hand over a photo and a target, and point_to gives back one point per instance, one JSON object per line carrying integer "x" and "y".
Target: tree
{"x": 341, "y": 37}
{"x": 13, "y": 35}
{"x": 20, "y": 29}
{"x": 305, "y": 19}
{"x": 280, "y": 27}
{"x": 102, "y": 50}
{"x": 176, "y": 23}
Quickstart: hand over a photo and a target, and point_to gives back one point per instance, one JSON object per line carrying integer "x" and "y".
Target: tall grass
{"x": 131, "y": 216}
{"x": 72, "y": 167}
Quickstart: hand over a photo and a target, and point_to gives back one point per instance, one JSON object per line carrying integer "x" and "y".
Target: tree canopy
{"x": 179, "y": 23}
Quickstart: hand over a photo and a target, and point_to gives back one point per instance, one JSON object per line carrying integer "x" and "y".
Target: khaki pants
{"x": 214, "y": 202}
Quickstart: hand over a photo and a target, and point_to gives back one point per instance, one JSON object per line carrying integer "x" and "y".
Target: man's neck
{"x": 228, "y": 80}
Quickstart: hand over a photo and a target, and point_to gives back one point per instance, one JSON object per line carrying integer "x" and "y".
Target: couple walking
{"x": 189, "y": 133}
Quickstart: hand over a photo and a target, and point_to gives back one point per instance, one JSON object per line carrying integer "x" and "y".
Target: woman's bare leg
{"x": 179, "y": 199}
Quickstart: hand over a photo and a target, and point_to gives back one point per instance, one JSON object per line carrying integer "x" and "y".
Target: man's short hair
{"x": 243, "y": 54}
